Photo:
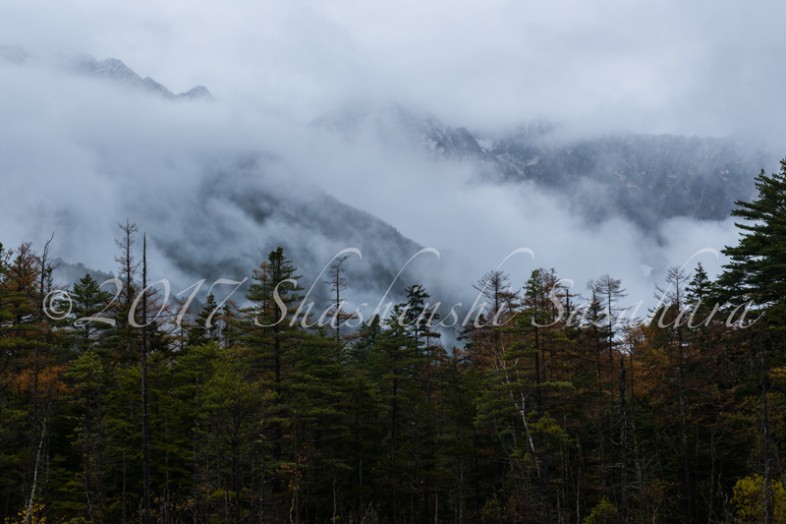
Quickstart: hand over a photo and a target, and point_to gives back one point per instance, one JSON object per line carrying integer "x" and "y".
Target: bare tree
{"x": 338, "y": 283}
{"x": 128, "y": 266}
{"x": 145, "y": 429}
{"x": 495, "y": 286}
{"x": 672, "y": 300}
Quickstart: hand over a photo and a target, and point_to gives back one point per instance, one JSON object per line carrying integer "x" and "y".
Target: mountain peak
{"x": 198, "y": 91}
{"x": 390, "y": 121}
{"x": 115, "y": 70}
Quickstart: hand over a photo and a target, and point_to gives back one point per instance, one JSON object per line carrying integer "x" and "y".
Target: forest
{"x": 550, "y": 411}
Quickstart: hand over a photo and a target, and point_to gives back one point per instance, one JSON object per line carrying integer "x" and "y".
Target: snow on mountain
{"x": 109, "y": 69}
{"x": 644, "y": 178}
{"x": 242, "y": 211}
{"x": 115, "y": 70}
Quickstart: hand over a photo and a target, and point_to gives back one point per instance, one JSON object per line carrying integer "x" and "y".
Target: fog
{"x": 704, "y": 68}
{"x": 476, "y": 225}
{"x": 79, "y": 155}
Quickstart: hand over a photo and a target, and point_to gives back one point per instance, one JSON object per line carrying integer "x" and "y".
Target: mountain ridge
{"x": 116, "y": 70}
{"x": 110, "y": 69}
{"x": 646, "y": 178}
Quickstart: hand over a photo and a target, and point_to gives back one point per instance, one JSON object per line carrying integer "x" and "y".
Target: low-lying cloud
{"x": 78, "y": 156}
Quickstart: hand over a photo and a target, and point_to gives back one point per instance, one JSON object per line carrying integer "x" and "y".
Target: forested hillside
{"x": 552, "y": 408}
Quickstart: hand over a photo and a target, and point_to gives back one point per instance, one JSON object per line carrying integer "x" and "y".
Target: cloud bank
{"x": 77, "y": 156}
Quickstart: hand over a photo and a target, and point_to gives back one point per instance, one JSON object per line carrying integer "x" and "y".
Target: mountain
{"x": 245, "y": 207}
{"x": 115, "y": 70}
{"x": 66, "y": 273}
{"x": 241, "y": 203}
{"x": 644, "y": 178}
{"x": 110, "y": 69}
{"x": 392, "y": 122}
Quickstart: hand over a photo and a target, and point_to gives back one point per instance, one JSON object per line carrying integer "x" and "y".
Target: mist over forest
{"x": 367, "y": 174}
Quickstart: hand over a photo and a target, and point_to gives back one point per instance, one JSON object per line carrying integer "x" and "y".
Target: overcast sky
{"x": 699, "y": 67}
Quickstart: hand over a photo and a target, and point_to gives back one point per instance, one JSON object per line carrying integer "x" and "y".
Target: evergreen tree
{"x": 272, "y": 334}
{"x": 756, "y": 274}
{"x": 208, "y": 325}
{"x": 757, "y": 267}
{"x": 89, "y": 301}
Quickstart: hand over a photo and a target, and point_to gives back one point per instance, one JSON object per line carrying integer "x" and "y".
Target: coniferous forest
{"x": 548, "y": 409}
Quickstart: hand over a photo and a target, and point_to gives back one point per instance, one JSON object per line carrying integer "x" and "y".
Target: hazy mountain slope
{"x": 647, "y": 178}
{"x": 197, "y": 180}
{"x": 391, "y": 122}
{"x": 644, "y": 178}
{"x": 211, "y": 208}
{"x": 115, "y": 70}
{"x": 242, "y": 210}
{"x": 111, "y": 69}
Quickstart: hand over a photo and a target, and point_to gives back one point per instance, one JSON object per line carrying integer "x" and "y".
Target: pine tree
{"x": 272, "y": 334}
{"x": 757, "y": 269}
{"x": 699, "y": 287}
{"x": 756, "y": 274}
{"x": 88, "y": 300}
{"x": 208, "y": 324}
